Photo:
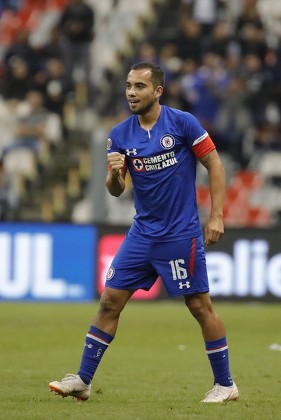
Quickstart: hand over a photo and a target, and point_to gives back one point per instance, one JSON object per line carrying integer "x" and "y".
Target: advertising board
{"x": 244, "y": 265}
{"x": 47, "y": 262}
{"x": 64, "y": 262}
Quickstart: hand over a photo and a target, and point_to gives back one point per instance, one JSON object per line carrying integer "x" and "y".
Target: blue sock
{"x": 217, "y": 352}
{"x": 96, "y": 343}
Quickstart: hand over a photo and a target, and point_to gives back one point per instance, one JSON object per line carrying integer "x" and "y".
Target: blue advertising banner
{"x": 47, "y": 262}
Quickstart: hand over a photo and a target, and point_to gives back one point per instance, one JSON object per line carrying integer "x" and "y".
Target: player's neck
{"x": 148, "y": 120}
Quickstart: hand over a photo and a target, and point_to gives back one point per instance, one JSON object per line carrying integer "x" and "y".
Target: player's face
{"x": 140, "y": 92}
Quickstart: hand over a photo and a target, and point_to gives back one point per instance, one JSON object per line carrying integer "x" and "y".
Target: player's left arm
{"x": 215, "y": 226}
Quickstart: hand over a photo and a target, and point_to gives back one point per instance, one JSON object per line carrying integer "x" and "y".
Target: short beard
{"x": 145, "y": 109}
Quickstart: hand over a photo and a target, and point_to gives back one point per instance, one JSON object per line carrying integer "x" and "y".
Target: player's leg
{"x": 111, "y": 304}
{"x": 200, "y": 306}
{"x": 213, "y": 332}
{"x": 182, "y": 267}
{"x": 130, "y": 270}
{"x": 102, "y": 331}
{"x": 98, "y": 338}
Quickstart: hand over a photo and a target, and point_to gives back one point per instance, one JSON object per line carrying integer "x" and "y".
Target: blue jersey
{"x": 162, "y": 165}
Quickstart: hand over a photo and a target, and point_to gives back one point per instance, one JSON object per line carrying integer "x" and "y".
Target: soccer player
{"x": 159, "y": 146}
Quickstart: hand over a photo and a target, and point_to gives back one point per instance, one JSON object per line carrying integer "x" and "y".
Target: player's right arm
{"x": 115, "y": 180}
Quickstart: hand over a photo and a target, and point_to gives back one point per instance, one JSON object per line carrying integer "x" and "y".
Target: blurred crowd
{"x": 222, "y": 61}
{"x": 223, "y": 64}
{"x": 40, "y": 82}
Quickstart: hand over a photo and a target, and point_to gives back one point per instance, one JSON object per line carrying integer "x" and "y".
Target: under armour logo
{"x": 183, "y": 285}
{"x": 131, "y": 152}
{"x": 90, "y": 346}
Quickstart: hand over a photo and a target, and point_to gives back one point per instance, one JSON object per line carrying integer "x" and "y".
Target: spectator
{"x": 268, "y": 130}
{"x": 57, "y": 86}
{"x": 170, "y": 60}
{"x": 272, "y": 87}
{"x": 36, "y": 131}
{"x": 249, "y": 15}
{"x": 17, "y": 81}
{"x": 233, "y": 120}
{"x": 53, "y": 49}
{"x": 21, "y": 48}
{"x": 206, "y": 12}
{"x": 175, "y": 97}
{"x": 207, "y": 85}
{"x": 38, "y": 125}
{"x": 187, "y": 94}
{"x": 147, "y": 54}
{"x": 252, "y": 40}
{"x": 255, "y": 78}
{"x": 190, "y": 42}
{"x": 77, "y": 28}
{"x": 222, "y": 41}
{"x": 233, "y": 63}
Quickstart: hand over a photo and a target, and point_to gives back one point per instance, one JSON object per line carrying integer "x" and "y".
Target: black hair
{"x": 157, "y": 74}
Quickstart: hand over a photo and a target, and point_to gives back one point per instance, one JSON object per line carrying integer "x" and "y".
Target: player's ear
{"x": 158, "y": 91}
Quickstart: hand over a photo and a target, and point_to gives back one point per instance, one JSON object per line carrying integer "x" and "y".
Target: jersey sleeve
{"x": 197, "y": 137}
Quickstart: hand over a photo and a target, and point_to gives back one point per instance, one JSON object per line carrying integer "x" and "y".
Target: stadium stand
{"x": 223, "y": 65}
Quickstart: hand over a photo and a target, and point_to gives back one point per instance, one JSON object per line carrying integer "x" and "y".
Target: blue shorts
{"x": 180, "y": 264}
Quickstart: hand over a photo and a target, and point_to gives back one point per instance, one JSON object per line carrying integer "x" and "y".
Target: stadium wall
{"x": 66, "y": 262}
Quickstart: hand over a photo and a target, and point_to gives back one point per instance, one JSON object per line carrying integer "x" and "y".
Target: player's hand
{"x": 213, "y": 231}
{"x": 115, "y": 162}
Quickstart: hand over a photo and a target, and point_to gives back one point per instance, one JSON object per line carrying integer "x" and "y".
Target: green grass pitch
{"x": 156, "y": 367}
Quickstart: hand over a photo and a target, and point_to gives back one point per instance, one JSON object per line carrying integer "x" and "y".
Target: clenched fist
{"x": 115, "y": 162}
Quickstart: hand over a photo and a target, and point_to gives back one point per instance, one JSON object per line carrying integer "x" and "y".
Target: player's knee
{"x": 198, "y": 311}
{"x": 198, "y": 308}
{"x": 109, "y": 305}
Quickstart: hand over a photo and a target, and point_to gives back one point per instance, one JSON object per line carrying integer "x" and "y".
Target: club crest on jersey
{"x": 138, "y": 164}
{"x": 110, "y": 273}
{"x": 109, "y": 144}
{"x": 167, "y": 141}
{"x": 131, "y": 152}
